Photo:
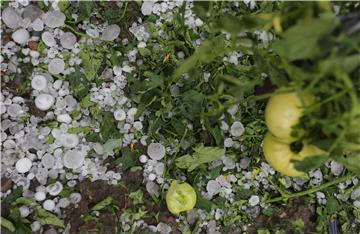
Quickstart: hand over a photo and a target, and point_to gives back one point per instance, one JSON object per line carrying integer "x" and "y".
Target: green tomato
{"x": 180, "y": 197}
{"x": 279, "y": 155}
{"x": 283, "y": 111}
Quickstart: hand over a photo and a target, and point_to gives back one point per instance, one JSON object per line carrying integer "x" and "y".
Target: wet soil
{"x": 107, "y": 221}
{"x": 297, "y": 210}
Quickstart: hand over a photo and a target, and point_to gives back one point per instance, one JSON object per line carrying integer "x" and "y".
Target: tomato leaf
{"x": 127, "y": 159}
{"x": 200, "y": 156}
{"x": 235, "y": 25}
{"x": 112, "y": 144}
{"x": 47, "y": 218}
{"x": 91, "y": 61}
{"x": 78, "y": 84}
{"x": 203, "y": 203}
{"x": 104, "y": 203}
{"x": 332, "y": 205}
{"x": 201, "y": 8}
{"x": 309, "y": 163}
{"x": 301, "y": 41}
{"x": 108, "y": 129}
{"x": 206, "y": 53}
{"x": 7, "y": 224}
{"x": 351, "y": 162}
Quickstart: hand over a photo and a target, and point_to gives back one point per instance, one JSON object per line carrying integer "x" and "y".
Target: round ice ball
{"x": 156, "y": 151}
{"x": 11, "y": 18}
{"x": 49, "y": 205}
{"x": 111, "y": 32}
{"x": 39, "y": 82}
{"x": 44, "y": 101}
{"x": 20, "y": 36}
{"x": 55, "y": 19}
{"x": 73, "y": 159}
{"x": 55, "y": 188}
{"x": 48, "y": 39}
{"x": 67, "y": 40}
{"x": 56, "y": 66}
{"x": 23, "y": 165}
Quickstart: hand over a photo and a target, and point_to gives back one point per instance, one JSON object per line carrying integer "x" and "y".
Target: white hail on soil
{"x": 110, "y": 33}
{"x": 254, "y": 200}
{"x": 20, "y": 36}
{"x": 44, "y": 101}
{"x": 39, "y": 82}
{"x": 48, "y": 39}
{"x": 156, "y": 151}
{"x": 68, "y": 40}
{"x": 54, "y": 19}
{"x": 237, "y": 129}
{"x": 56, "y": 66}
{"x": 23, "y": 165}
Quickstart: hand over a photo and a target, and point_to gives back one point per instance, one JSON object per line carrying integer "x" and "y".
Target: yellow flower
{"x": 166, "y": 58}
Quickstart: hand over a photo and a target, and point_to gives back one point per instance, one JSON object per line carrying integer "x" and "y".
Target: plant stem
{"x": 76, "y": 32}
{"x": 310, "y": 191}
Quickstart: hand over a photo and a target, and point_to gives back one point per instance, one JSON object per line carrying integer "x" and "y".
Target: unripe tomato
{"x": 180, "y": 197}
{"x": 283, "y": 111}
{"x": 279, "y": 155}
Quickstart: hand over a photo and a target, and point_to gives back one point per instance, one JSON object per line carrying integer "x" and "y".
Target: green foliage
{"x": 200, "y": 156}
{"x": 85, "y": 9}
{"x": 235, "y": 25}
{"x": 103, "y": 204}
{"x": 302, "y": 41}
{"x": 7, "y": 224}
{"x": 201, "y": 8}
{"x": 78, "y": 84}
{"x": 351, "y": 161}
{"x": 203, "y": 203}
{"x": 47, "y": 218}
{"x": 127, "y": 159}
{"x": 91, "y": 61}
{"x": 18, "y": 222}
{"x": 206, "y": 53}
{"x": 309, "y": 163}
{"x": 108, "y": 129}
{"x": 332, "y": 205}
{"x": 112, "y": 144}
{"x": 137, "y": 197}
{"x": 13, "y": 196}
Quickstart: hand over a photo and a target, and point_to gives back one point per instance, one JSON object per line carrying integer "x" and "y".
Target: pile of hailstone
{"x": 32, "y": 152}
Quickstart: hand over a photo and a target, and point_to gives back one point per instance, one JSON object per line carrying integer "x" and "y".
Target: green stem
{"x": 76, "y": 32}
{"x": 267, "y": 95}
{"x": 277, "y": 188}
{"x": 310, "y": 191}
{"x": 124, "y": 12}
